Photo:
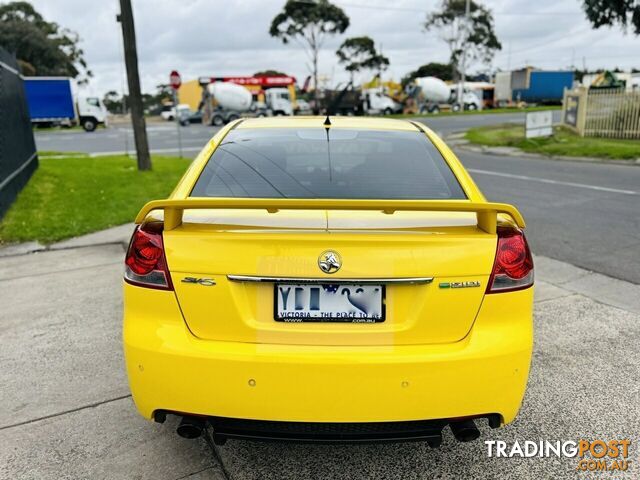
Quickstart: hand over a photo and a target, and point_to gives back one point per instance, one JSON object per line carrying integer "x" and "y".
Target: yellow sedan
{"x": 328, "y": 279}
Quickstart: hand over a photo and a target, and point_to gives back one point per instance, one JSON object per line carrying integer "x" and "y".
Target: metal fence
{"x": 614, "y": 114}
{"x": 602, "y": 113}
{"x": 18, "y": 157}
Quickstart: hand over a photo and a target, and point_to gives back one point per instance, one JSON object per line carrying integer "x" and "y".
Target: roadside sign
{"x": 539, "y": 124}
{"x": 174, "y": 80}
{"x": 571, "y": 110}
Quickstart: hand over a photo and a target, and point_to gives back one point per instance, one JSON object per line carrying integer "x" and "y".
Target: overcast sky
{"x": 230, "y": 37}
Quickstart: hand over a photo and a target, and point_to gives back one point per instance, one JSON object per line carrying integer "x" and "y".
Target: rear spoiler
{"x": 486, "y": 212}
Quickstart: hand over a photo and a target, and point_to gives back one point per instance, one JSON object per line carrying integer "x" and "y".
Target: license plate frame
{"x": 330, "y": 319}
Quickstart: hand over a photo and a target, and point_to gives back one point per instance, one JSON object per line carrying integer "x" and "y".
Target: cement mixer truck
{"x": 428, "y": 95}
{"x": 224, "y": 102}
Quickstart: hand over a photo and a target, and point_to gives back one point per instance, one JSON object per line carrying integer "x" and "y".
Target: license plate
{"x": 329, "y": 303}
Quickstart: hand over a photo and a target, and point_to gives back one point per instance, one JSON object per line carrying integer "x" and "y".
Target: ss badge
{"x": 206, "y": 282}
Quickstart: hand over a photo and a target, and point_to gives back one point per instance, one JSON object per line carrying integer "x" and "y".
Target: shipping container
{"x": 49, "y": 99}
{"x": 544, "y": 87}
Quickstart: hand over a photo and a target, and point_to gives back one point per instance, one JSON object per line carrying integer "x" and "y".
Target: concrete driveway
{"x": 68, "y": 414}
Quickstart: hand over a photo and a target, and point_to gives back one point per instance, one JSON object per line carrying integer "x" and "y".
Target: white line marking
{"x": 554, "y": 182}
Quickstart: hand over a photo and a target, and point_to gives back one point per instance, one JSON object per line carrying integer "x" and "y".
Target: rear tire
{"x": 89, "y": 124}
{"x": 217, "y": 120}
{"x": 387, "y": 111}
{"x": 435, "y": 110}
{"x": 472, "y": 106}
{"x": 232, "y": 117}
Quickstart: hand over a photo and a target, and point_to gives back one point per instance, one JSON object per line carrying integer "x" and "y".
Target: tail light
{"x": 513, "y": 266}
{"x": 145, "y": 263}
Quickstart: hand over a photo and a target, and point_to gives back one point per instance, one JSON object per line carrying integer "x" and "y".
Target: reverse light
{"x": 145, "y": 263}
{"x": 513, "y": 265}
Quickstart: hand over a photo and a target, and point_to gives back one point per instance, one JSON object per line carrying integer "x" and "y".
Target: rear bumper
{"x": 170, "y": 369}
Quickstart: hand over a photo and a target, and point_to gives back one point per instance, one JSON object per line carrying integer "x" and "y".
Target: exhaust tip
{"x": 190, "y": 427}
{"x": 465, "y": 431}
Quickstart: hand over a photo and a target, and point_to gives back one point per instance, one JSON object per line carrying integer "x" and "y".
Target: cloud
{"x": 230, "y": 37}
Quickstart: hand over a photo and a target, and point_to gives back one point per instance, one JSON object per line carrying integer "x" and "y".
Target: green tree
{"x": 113, "y": 102}
{"x": 42, "y": 48}
{"x": 472, "y": 40}
{"x": 359, "y": 53}
{"x": 153, "y": 103}
{"x": 439, "y": 70}
{"x": 309, "y": 23}
{"x": 611, "y": 12}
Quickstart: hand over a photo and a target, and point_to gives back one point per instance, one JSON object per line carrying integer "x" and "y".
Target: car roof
{"x": 336, "y": 122}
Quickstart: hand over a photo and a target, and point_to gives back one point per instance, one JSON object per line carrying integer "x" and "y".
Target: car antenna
{"x": 327, "y": 124}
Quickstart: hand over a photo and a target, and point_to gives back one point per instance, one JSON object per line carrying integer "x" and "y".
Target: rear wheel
{"x": 387, "y": 111}
{"x": 217, "y": 120}
{"x": 435, "y": 110}
{"x": 232, "y": 117}
{"x": 89, "y": 124}
{"x": 472, "y": 106}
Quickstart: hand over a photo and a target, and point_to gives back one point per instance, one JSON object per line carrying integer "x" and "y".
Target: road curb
{"x": 120, "y": 234}
{"x": 563, "y": 278}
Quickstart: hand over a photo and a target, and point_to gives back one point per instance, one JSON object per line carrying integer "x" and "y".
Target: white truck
{"x": 278, "y": 101}
{"x": 430, "y": 94}
{"x": 376, "y": 102}
{"x": 471, "y": 99}
{"x": 226, "y": 101}
{"x": 51, "y": 102}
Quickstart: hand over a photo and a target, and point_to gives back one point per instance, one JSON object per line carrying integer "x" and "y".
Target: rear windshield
{"x": 338, "y": 163}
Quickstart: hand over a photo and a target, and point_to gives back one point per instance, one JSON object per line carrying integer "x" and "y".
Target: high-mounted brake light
{"x": 145, "y": 263}
{"x": 513, "y": 265}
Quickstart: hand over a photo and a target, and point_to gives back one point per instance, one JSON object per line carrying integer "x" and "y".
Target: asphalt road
{"x": 163, "y": 137}
{"x": 587, "y": 214}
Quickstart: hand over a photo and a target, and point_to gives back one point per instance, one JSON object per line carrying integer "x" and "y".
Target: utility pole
{"x": 463, "y": 73}
{"x": 135, "y": 98}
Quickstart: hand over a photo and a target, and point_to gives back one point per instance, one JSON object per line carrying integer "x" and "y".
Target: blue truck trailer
{"x": 544, "y": 86}
{"x": 51, "y": 102}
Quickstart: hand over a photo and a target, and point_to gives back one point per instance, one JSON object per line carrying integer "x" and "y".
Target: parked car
{"x": 168, "y": 112}
{"x": 186, "y": 116}
{"x": 328, "y": 279}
